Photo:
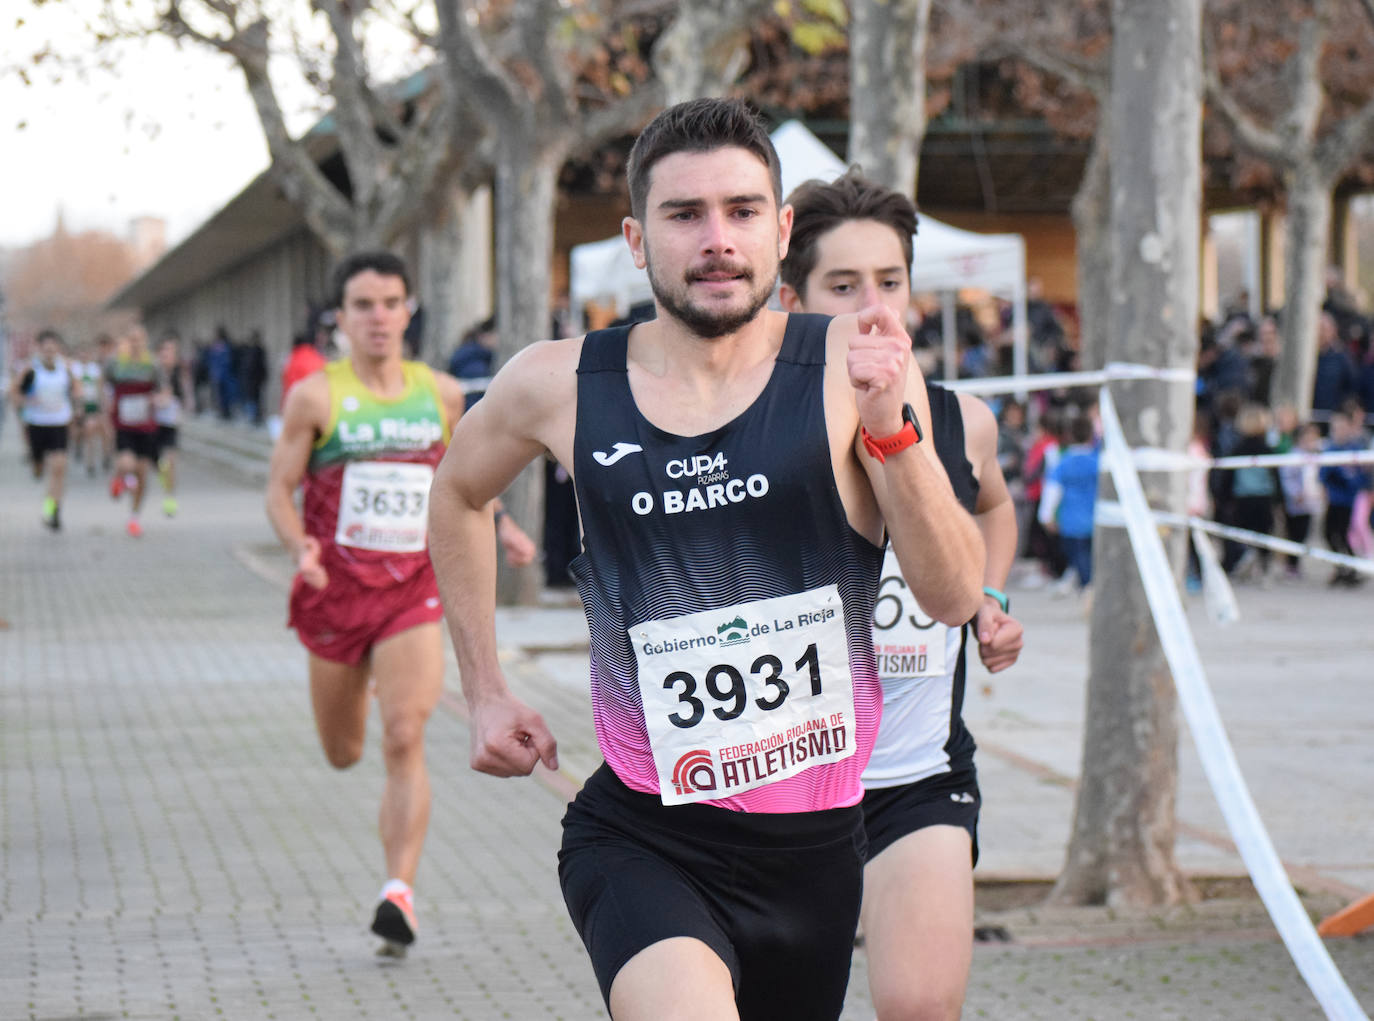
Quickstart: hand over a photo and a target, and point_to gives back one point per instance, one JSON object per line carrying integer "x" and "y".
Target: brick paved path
{"x": 173, "y": 842}
{"x": 173, "y": 845}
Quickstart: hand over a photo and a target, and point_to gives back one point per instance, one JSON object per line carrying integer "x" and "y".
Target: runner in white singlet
{"x": 46, "y": 392}
{"x": 851, "y": 247}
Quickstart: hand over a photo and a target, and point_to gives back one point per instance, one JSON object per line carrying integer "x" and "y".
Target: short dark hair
{"x": 699, "y": 125}
{"x": 1081, "y": 429}
{"x": 47, "y": 332}
{"x": 818, "y": 208}
{"x": 380, "y": 262}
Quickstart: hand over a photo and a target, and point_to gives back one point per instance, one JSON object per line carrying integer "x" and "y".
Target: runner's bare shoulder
{"x": 539, "y": 379}
{"x": 307, "y": 403}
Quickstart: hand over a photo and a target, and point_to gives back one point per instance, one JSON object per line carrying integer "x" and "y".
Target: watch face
{"x": 909, "y": 415}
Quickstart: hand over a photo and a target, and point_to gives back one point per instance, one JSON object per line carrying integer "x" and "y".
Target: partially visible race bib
{"x": 384, "y": 506}
{"x": 906, "y": 642}
{"x": 168, "y": 413}
{"x": 744, "y": 696}
{"x": 134, "y": 409}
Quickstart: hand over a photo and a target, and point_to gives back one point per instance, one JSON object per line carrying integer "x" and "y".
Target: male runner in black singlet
{"x": 735, "y": 470}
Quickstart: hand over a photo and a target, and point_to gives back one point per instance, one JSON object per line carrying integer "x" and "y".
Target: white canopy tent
{"x": 944, "y": 258}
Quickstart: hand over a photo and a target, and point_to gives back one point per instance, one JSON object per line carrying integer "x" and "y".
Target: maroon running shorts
{"x": 344, "y": 620}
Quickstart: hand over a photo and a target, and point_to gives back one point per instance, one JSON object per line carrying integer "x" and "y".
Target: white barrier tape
{"x": 1170, "y": 374}
{"x": 1109, "y": 513}
{"x": 1209, "y": 737}
{"x": 1156, "y": 459}
{"x": 1060, "y": 380}
{"x": 1217, "y": 595}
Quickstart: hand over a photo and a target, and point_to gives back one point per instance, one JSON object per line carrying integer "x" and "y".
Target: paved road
{"x": 173, "y": 845}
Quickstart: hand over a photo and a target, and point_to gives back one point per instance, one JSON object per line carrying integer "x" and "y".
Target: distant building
{"x": 148, "y": 237}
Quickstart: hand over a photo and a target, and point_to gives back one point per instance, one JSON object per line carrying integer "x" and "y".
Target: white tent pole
{"x": 948, "y": 317}
{"x": 1020, "y": 327}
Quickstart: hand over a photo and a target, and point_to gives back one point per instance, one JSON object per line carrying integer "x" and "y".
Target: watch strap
{"x": 881, "y": 447}
{"x": 1003, "y": 600}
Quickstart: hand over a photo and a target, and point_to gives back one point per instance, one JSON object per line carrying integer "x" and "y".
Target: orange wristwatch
{"x": 907, "y": 436}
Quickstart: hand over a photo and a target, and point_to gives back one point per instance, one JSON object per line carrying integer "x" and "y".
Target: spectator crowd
{"x": 1052, "y": 466}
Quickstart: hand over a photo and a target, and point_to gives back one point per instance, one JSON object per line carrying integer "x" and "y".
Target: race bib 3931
{"x": 747, "y": 695}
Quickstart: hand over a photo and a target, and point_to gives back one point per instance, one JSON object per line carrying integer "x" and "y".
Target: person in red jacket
{"x": 305, "y": 359}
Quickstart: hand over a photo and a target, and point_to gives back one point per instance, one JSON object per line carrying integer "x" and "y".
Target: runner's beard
{"x": 709, "y": 323}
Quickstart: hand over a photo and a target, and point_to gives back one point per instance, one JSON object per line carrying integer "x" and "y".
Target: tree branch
{"x": 226, "y": 9}
{"x": 1087, "y": 76}
{"x": 1040, "y": 40}
{"x": 419, "y": 168}
{"x": 178, "y": 27}
{"x": 1264, "y": 142}
{"x": 600, "y": 126}
{"x": 1303, "y": 71}
{"x": 1346, "y": 142}
{"x": 471, "y": 64}
{"x": 358, "y": 142}
{"x": 538, "y": 29}
{"x": 700, "y": 52}
{"x": 324, "y": 208}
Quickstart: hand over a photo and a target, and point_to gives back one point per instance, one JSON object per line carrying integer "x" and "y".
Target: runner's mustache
{"x": 703, "y": 271}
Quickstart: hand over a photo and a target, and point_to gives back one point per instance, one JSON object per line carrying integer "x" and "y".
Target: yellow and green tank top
{"x": 363, "y": 425}
{"x": 367, "y": 482}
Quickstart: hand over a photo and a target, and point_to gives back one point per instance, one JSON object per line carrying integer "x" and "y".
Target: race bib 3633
{"x": 384, "y": 506}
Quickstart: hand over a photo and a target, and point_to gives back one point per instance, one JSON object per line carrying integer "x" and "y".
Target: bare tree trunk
{"x": 887, "y": 104}
{"x": 1122, "y": 847}
{"x": 526, "y": 182}
{"x": 1307, "y": 236}
{"x": 441, "y": 245}
{"x": 1092, "y": 208}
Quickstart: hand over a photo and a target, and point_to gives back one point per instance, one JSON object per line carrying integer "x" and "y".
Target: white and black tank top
{"x": 923, "y": 732}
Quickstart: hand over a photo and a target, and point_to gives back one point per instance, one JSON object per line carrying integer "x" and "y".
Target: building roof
{"x": 254, "y": 219}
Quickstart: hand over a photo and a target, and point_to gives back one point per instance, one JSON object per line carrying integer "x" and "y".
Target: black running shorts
{"x": 166, "y": 439}
{"x": 945, "y": 799}
{"x": 776, "y": 896}
{"x": 142, "y": 445}
{"x": 47, "y": 439}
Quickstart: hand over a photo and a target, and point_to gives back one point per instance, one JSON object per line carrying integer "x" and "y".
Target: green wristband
{"x": 1001, "y": 597}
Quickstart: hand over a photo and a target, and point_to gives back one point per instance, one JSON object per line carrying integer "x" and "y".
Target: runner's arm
{"x": 519, "y": 548}
{"x": 502, "y": 433}
{"x": 1000, "y": 636}
{"x": 107, "y": 394}
{"x": 303, "y": 419}
{"x": 1050, "y": 496}
{"x": 995, "y": 511}
{"x": 936, "y": 541}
